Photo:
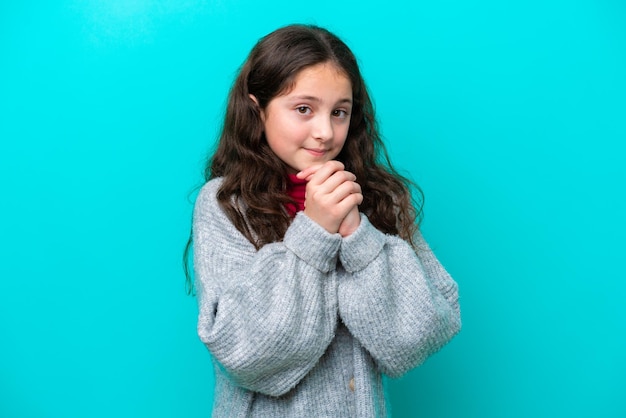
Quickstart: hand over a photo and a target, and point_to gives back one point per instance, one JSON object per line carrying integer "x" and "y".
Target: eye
{"x": 303, "y": 110}
{"x": 340, "y": 113}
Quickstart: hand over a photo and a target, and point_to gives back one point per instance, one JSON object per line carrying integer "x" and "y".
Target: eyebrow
{"x": 317, "y": 99}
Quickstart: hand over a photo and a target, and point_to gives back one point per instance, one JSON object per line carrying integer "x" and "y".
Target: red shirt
{"x": 296, "y": 189}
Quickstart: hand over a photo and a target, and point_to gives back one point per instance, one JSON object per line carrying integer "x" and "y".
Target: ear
{"x": 256, "y": 102}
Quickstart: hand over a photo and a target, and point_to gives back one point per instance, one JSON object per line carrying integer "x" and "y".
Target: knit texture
{"x": 305, "y": 327}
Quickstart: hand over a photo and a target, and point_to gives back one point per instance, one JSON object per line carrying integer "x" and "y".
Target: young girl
{"x": 311, "y": 276}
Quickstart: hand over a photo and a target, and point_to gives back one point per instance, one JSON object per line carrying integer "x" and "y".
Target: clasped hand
{"x": 332, "y": 197}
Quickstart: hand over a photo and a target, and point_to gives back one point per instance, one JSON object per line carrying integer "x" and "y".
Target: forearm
{"x": 267, "y": 316}
{"x": 391, "y": 303}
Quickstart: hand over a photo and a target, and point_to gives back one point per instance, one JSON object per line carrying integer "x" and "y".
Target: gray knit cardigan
{"x": 305, "y": 327}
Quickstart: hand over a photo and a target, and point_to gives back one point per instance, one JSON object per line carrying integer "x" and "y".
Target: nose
{"x": 322, "y": 128}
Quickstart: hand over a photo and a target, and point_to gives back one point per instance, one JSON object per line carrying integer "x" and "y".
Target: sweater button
{"x": 351, "y": 384}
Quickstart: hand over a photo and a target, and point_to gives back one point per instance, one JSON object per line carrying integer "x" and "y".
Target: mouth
{"x": 317, "y": 152}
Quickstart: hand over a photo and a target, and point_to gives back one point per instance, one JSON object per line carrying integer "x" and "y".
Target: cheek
{"x": 284, "y": 135}
{"x": 273, "y": 129}
{"x": 293, "y": 131}
{"x": 344, "y": 132}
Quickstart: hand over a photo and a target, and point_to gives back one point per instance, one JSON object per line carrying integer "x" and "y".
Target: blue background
{"x": 510, "y": 115}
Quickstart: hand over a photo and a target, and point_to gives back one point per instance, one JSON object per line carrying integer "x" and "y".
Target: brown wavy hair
{"x": 253, "y": 192}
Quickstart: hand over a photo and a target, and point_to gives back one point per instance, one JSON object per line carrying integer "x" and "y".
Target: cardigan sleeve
{"x": 401, "y": 306}
{"x": 266, "y": 316}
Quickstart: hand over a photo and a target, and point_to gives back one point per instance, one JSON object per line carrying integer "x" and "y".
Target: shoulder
{"x": 210, "y": 189}
{"x": 206, "y": 201}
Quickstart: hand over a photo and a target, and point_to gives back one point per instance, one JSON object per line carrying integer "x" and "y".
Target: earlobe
{"x": 256, "y": 102}
{"x": 253, "y": 98}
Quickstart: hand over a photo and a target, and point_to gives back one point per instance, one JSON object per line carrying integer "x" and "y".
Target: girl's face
{"x": 309, "y": 124}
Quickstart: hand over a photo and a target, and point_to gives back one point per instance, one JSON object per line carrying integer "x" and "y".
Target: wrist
{"x": 350, "y": 223}
{"x": 330, "y": 226}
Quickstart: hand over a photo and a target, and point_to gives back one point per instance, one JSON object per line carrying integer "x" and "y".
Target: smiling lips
{"x": 316, "y": 152}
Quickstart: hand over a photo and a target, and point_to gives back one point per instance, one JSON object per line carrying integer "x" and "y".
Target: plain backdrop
{"x": 510, "y": 115}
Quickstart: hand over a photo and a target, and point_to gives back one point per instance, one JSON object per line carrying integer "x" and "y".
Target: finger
{"x": 349, "y": 202}
{"x": 343, "y": 191}
{"x": 308, "y": 172}
{"x": 337, "y": 179}
{"x": 325, "y": 171}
